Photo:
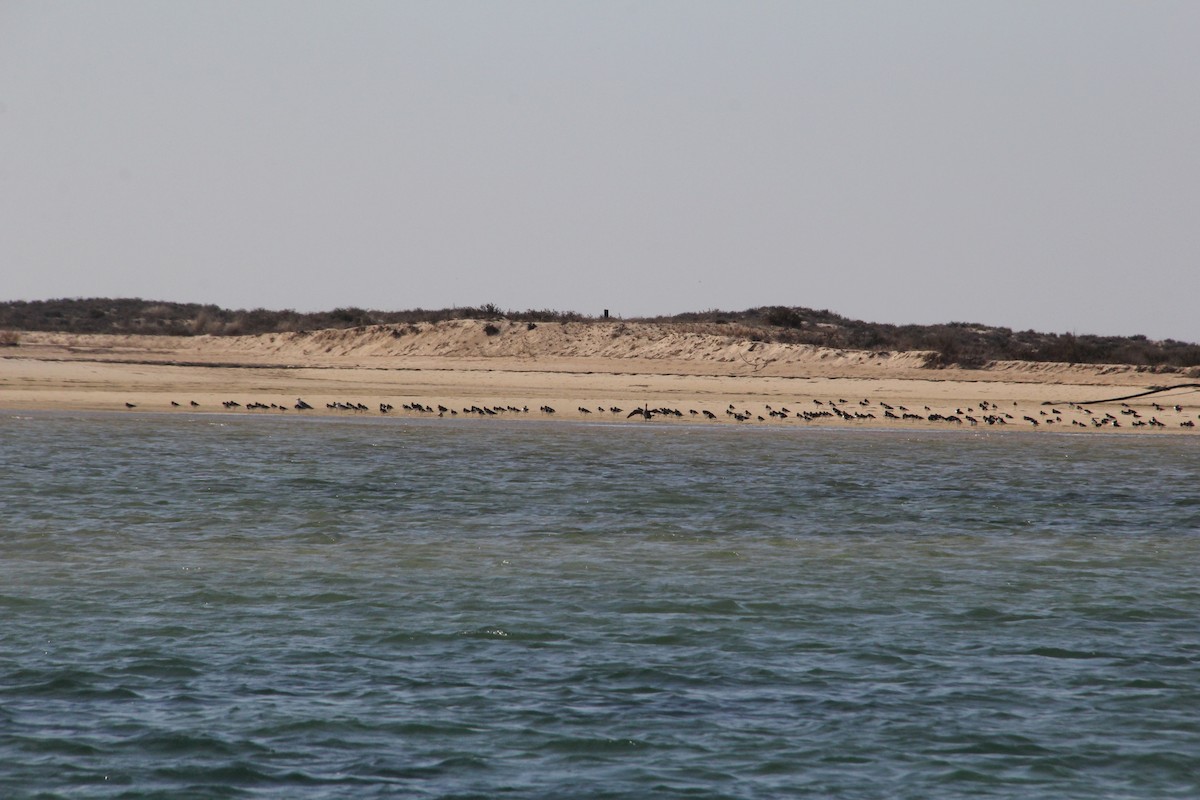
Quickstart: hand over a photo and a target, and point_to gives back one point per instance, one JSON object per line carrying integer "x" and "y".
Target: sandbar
{"x": 590, "y": 371}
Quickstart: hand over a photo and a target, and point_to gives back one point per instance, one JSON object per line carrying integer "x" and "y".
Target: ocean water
{"x": 197, "y": 606}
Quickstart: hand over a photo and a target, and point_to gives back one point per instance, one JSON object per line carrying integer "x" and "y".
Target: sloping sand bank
{"x": 474, "y": 368}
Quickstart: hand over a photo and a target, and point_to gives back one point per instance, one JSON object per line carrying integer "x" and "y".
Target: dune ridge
{"x": 635, "y": 346}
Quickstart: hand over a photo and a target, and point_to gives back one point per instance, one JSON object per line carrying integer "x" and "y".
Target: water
{"x": 236, "y": 606}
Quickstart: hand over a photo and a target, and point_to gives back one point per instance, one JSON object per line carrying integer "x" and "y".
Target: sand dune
{"x": 546, "y": 346}
{"x": 571, "y": 366}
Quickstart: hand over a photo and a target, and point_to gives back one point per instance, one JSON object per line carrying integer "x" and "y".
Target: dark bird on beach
{"x": 130, "y": 405}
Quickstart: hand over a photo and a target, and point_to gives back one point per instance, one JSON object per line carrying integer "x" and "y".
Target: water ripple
{"x": 321, "y": 608}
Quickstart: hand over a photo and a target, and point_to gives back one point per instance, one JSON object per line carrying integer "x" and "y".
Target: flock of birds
{"x": 985, "y": 413}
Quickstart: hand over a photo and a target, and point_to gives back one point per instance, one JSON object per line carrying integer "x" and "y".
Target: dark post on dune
{"x": 606, "y": 313}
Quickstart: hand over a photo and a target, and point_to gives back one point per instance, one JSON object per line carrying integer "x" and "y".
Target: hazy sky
{"x": 1029, "y": 164}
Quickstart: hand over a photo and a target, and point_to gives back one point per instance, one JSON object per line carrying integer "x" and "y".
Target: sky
{"x": 1027, "y": 164}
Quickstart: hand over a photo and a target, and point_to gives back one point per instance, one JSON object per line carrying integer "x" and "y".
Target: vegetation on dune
{"x": 136, "y": 316}
{"x": 951, "y": 344}
{"x": 960, "y": 344}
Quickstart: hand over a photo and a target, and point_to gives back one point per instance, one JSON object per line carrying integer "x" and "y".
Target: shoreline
{"x": 804, "y": 387}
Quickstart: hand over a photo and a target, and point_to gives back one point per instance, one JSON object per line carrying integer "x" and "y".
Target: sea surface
{"x": 212, "y": 606}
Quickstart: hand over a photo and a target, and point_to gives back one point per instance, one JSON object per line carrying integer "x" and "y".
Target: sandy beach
{"x": 594, "y": 371}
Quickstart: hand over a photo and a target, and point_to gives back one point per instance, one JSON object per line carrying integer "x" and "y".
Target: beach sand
{"x": 569, "y": 367}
